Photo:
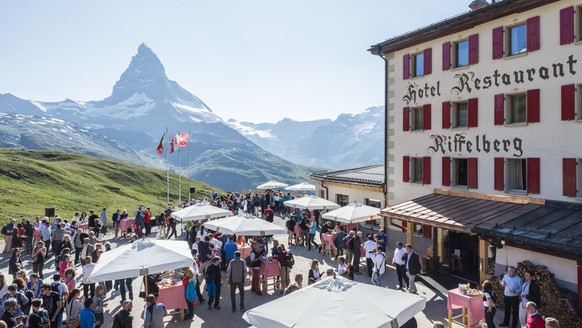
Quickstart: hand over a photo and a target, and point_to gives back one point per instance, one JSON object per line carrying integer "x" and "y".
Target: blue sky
{"x": 259, "y": 60}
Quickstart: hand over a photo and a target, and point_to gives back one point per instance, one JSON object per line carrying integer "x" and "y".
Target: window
{"x": 579, "y": 26}
{"x": 462, "y": 53}
{"x": 517, "y": 112}
{"x": 460, "y": 172}
{"x": 342, "y": 200}
{"x": 374, "y": 203}
{"x": 517, "y": 39}
{"x": 416, "y": 170}
{"x": 460, "y": 114}
{"x": 517, "y": 175}
{"x": 416, "y": 119}
{"x": 418, "y": 65}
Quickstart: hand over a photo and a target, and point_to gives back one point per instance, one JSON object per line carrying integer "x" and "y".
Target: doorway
{"x": 457, "y": 254}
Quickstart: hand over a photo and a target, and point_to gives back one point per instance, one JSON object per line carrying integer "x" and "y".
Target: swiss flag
{"x": 179, "y": 140}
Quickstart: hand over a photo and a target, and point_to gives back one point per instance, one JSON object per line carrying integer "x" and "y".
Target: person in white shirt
{"x": 379, "y": 263}
{"x": 398, "y": 262}
{"x": 214, "y": 240}
{"x": 370, "y": 248}
{"x": 342, "y": 267}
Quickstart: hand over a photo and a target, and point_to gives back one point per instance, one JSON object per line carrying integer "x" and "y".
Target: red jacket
{"x": 535, "y": 320}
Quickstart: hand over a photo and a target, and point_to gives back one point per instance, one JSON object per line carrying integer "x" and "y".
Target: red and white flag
{"x": 179, "y": 140}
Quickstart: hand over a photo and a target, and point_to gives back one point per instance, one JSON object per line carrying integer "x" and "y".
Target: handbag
{"x": 73, "y": 323}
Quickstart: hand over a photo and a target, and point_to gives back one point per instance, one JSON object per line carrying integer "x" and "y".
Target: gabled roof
{"x": 371, "y": 175}
{"x": 456, "y": 24}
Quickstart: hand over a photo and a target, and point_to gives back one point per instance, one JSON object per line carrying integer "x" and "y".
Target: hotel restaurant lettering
{"x": 469, "y": 81}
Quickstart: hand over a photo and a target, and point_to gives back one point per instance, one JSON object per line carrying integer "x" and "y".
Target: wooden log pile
{"x": 556, "y": 303}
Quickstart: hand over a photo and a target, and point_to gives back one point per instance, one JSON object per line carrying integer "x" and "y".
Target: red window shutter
{"x": 426, "y": 170}
{"x": 406, "y": 168}
{"x": 533, "y": 106}
{"x": 446, "y": 56}
{"x": 533, "y": 33}
{"x": 472, "y": 173}
{"x": 427, "y": 61}
{"x": 499, "y": 178}
{"x": 406, "y": 119}
{"x": 446, "y": 171}
{"x": 569, "y": 177}
{"x": 473, "y": 49}
{"x": 427, "y": 231}
{"x": 473, "y": 111}
{"x": 404, "y": 226}
{"x": 426, "y": 117}
{"x": 499, "y": 109}
{"x": 498, "y": 42}
{"x": 568, "y": 102}
{"x": 406, "y": 67}
{"x": 533, "y": 175}
{"x": 567, "y": 25}
{"x": 446, "y": 114}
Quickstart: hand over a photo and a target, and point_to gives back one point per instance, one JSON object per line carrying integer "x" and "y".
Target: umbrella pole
{"x": 146, "y": 286}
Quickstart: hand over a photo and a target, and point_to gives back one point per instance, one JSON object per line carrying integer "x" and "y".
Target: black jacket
{"x": 413, "y": 264}
{"x": 122, "y": 319}
{"x": 535, "y": 294}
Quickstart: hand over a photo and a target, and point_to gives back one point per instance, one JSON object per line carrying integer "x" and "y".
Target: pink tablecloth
{"x": 327, "y": 239}
{"x": 244, "y": 250}
{"x": 173, "y": 297}
{"x": 37, "y": 234}
{"x": 269, "y": 269}
{"x": 297, "y": 230}
{"x": 126, "y": 224}
{"x": 474, "y": 305}
{"x": 84, "y": 226}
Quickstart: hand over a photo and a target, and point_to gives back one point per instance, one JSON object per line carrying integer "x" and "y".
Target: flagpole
{"x": 179, "y": 170}
{"x": 189, "y": 163}
{"x": 168, "y": 170}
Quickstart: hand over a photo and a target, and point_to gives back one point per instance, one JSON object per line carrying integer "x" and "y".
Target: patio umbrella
{"x": 357, "y": 304}
{"x": 353, "y": 213}
{"x": 200, "y": 212}
{"x": 244, "y": 226}
{"x": 142, "y": 257}
{"x": 303, "y": 186}
{"x": 272, "y": 185}
{"x": 312, "y": 203}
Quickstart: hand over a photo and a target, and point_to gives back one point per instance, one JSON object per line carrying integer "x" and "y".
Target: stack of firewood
{"x": 555, "y": 303}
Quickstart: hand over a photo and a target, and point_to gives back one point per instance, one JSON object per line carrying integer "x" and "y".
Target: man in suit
{"x": 530, "y": 292}
{"x": 412, "y": 263}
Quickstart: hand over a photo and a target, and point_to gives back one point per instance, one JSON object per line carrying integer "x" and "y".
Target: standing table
{"x": 173, "y": 297}
{"x": 471, "y": 305}
{"x": 269, "y": 270}
{"x": 327, "y": 241}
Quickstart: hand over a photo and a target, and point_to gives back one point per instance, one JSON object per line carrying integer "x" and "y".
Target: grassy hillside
{"x": 33, "y": 180}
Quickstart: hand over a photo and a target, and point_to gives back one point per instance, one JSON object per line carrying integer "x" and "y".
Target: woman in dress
{"x": 488, "y": 303}
{"x": 64, "y": 262}
{"x": 15, "y": 263}
{"x": 69, "y": 279}
{"x": 37, "y": 259}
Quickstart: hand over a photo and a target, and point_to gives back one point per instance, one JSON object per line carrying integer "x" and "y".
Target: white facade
{"x": 550, "y": 140}
{"x": 358, "y": 194}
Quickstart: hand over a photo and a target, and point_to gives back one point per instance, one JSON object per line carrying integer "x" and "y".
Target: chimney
{"x": 477, "y": 4}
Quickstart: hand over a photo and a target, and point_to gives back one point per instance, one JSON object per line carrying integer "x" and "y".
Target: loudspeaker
{"x": 49, "y": 212}
{"x": 192, "y": 190}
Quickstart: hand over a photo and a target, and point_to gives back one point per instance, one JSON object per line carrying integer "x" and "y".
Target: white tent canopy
{"x": 353, "y": 213}
{"x": 325, "y": 302}
{"x": 200, "y": 212}
{"x": 272, "y": 185}
{"x": 303, "y": 186}
{"x": 142, "y": 257}
{"x": 244, "y": 226}
{"x": 312, "y": 203}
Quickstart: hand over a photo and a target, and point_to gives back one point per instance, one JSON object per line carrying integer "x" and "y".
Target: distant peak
{"x": 143, "y": 49}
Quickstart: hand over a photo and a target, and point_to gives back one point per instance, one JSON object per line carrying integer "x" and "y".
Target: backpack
{"x": 248, "y": 261}
{"x": 43, "y": 318}
{"x": 350, "y": 243}
{"x": 290, "y": 224}
{"x": 55, "y": 288}
{"x": 4, "y": 230}
{"x": 289, "y": 260}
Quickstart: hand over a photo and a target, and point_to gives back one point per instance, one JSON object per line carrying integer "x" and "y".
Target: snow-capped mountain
{"x": 350, "y": 140}
{"x": 142, "y": 104}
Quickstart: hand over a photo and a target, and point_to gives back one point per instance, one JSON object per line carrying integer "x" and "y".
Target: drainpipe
{"x": 378, "y": 51}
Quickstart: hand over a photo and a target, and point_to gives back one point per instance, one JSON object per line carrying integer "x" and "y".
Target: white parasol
{"x": 272, "y": 185}
{"x": 200, "y": 212}
{"x": 339, "y": 301}
{"x": 244, "y": 226}
{"x": 353, "y": 213}
{"x": 303, "y": 186}
{"x": 311, "y": 203}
